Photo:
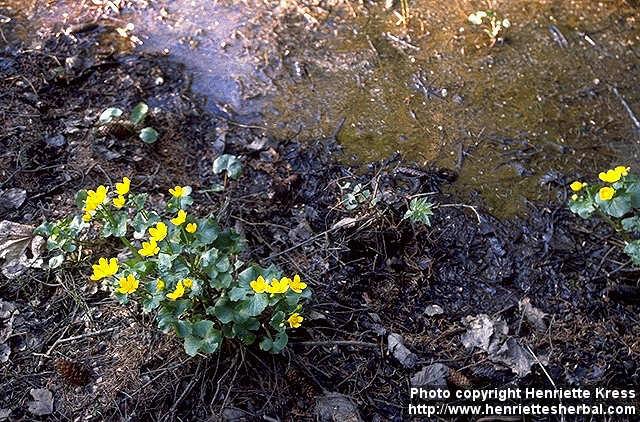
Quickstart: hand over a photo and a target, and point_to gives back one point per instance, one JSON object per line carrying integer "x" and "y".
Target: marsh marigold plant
{"x": 182, "y": 267}
{"x": 616, "y": 199}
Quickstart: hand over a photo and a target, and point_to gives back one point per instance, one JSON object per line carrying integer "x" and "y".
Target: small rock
{"x": 13, "y": 198}
{"x": 433, "y": 310}
{"x": 42, "y": 403}
{"x": 406, "y": 357}
{"x": 336, "y": 407}
{"x": 56, "y": 141}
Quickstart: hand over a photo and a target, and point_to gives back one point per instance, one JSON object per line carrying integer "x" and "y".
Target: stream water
{"x": 558, "y": 96}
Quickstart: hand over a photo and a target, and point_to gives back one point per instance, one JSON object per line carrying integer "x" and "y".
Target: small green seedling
{"x": 420, "y": 211}
{"x": 112, "y": 116}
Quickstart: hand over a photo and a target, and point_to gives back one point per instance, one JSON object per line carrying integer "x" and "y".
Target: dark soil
{"x": 370, "y": 279}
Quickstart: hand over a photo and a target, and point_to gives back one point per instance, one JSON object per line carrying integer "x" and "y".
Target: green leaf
{"x": 631, "y": 224}
{"x": 202, "y": 328}
{"x": 266, "y": 344}
{"x": 238, "y": 293}
{"x": 149, "y": 135}
{"x": 192, "y": 345}
{"x": 583, "y": 207}
{"x": 56, "y": 261}
{"x": 81, "y": 198}
{"x": 223, "y": 264}
{"x": 183, "y": 328}
{"x": 138, "y": 200}
{"x": 617, "y": 207}
{"x": 109, "y": 114}
{"x": 139, "y": 113}
{"x": 165, "y": 262}
{"x": 150, "y": 303}
{"x": 211, "y": 343}
{"x": 277, "y": 320}
{"x": 228, "y": 163}
{"x": 223, "y": 311}
{"x": 280, "y": 342}
{"x": 255, "y": 304}
{"x": 633, "y": 250}
{"x": 208, "y": 231}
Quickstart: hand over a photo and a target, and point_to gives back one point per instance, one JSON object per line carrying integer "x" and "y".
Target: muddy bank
{"x": 548, "y": 286}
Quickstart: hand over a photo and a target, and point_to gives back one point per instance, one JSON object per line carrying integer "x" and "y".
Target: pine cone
{"x": 72, "y": 372}
{"x": 458, "y": 380}
{"x": 301, "y": 382}
{"x": 118, "y": 129}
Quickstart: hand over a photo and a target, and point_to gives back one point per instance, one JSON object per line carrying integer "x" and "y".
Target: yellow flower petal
{"x": 296, "y": 285}
{"x": 180, "y": 218}
{"x": 127, "y": 284}
{"x": 160, "y": 285}
{"x": 191, "y": 227}
{"x": 259, "y": 285}
{"x": 159, "y": 232}
{"x": 118, "y": 201}
{"x": 177, "y": 192}
{"x": 295, "y": 320}
{"x": 606, "y": 193}
{"x": 576, "y": 186}
{"x": 149, "y": 248}
{"x": 611, "y": 176}
{"x": 123, "y": 188}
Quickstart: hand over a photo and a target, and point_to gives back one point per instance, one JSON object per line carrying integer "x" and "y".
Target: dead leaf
{"x": 406, "y": 357}
{"x": 42, "y": 403}
{"x": 20, "y": 248}
{"x": 534, "y": 316}
{"x": 434, "y": 376}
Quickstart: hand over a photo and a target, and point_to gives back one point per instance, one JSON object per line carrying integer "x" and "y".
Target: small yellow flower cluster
{"x": 95, "y": 198}
{"x": 178, "y": 192}
{"x": 181, "y": 218}
{"x": 122, "y": 189}
{"x": 276, "y": 286}
{"x": 180, "y": 288}
{"x": 605, "y": 193}
{"x": 128, "y": 284}
{"x": 156, "y": 234}
{"x": 104, "y": 268}
{"x": 295, "y": 320}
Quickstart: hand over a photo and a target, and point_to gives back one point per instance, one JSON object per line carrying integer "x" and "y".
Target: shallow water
{"x": 503, "y": 117}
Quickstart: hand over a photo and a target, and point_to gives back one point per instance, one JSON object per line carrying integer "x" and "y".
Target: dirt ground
{"x": 556, "y": 291}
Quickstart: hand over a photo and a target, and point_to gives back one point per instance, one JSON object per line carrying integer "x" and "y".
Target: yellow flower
{"x": 149, "y": 248}
{"x": 611, "y": 176}
{"x": 191, "y": 227}
{"x": 295, "y": 320}
{"x": 187, "y": 282}
{"x": 278, "y": 286}
{"x": 296, "y": 285}
{"x": 577, "y": 186}
{"x": 177, "y": 192}
{"x": 181, "y": 218}
{"x": 178, "y": 292}
{"x": 606, "y": 193}
{"x": 259, "y": 285}
{"x": 104, "y": 268}
{"x": 86, "y": 217}
{"x": 128, "y": 284}
{"x": 574, "y": 197}
{"x": 624, "y": 171}
{"x": 118, "y": 201}
{"x": 95, "y": 198}
{"x": 123, "y": 188}
{"x": 159, "y": 232}
{"x": 160, "y": 285}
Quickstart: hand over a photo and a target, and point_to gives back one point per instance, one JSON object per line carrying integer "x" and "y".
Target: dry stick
{"x": 627, "y": 108}
{"x": 471, "y": 207}
{"x": 337, "y": 343}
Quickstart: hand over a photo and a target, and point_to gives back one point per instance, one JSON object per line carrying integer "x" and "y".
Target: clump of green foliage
{"x": 615, "y": 199}
{"x": 135, "y": 123}
{"x": 184, "y": 268}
